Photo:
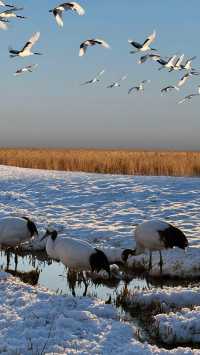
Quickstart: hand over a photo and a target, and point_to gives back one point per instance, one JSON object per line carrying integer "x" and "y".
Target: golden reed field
{"x": 105, "y": 161}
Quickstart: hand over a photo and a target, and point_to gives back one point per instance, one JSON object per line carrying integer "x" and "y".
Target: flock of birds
{"x": 79, "y": 256}
{"x": 173, "y": 63}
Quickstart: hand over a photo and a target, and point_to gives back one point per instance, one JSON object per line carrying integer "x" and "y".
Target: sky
{"x": 49, "y": 108}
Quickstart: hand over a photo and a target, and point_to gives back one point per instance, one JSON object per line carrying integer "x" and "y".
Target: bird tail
{"x": 174, "y": 237}
{"x": 99, "y": 261}
{"x": 31, "y": 226}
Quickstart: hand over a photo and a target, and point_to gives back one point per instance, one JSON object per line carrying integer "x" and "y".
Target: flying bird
{"x": 11, "y": 13}
{"x": 116, "y": 84}
{"x": 184, "y": 78}
{"x": 169, "y": 64}
{"x": 177, "y": 64}
{"x": 145, "y": 57}
{"x": 144, "y": 46}
{"x": 5, "y": 5}
{"x": 94, "y": 80}
{"x": 26, "y": 50}
{"x": 28, "y": 68}
{"x": 140, "y": 87}
{"x": 187, "y": 65}
{"x": 91, "y": 42}
{"x": 168, "y": 89}
{"x": 188, "y": 98}
{"x": 58, "y": 11}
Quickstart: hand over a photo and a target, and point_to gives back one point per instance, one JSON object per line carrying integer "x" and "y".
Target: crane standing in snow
{"x": 16, "y": 230}
{"x": 76, "y": 254}
{"x": 156, "y": 235}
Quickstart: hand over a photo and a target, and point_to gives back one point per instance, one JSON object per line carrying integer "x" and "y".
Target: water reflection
{"x": 53, "y": 275}
{"x": 29, "y": 277}
{"x": 37, "y": 268}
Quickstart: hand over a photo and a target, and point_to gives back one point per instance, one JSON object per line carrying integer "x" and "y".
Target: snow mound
{"x": 178, "y": 328}
{"x": 164, "y": 299}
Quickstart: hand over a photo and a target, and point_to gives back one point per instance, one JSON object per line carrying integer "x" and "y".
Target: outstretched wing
{"x": 87, "y": 82}
{"x": 143, "y": 59}
{"x": 145, "y": 81}
{"x": 169, "y": 88}
{"x": 183, "y": 79}
{"x": 135, "y": 44}
{"x": 3, "y": 25}
{"x": 58, "y": 16}
{"x": 150, "y": 39}
{"x": 133, "y": 88}
{"x": 34, "y": 38}
{"x": 187, "y": 98}
{"x": 74, "y": 6}
{"x": 191, "y": 59}
{"x": 102, "y": 43}
{"x": 10, "y": 11}
{"x": 123, "y": 78}
{"x": 172, "y": 60}
{"x": 83, "y": 48}
{"x": 31, "y": 66}
{"x": 100, "y": 73}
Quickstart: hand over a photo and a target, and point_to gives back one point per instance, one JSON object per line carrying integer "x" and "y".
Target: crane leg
{"x": 8, "y": 259}
{"x": 150, "y": 260}
{"x": 16, "y": 261}
{"x": 161, "y": 263}
{"x": 71, "y": 278}
{"x": 86, "y": 285}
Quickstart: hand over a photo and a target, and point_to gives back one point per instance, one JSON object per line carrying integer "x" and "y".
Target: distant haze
{"x": 49, "y": 108}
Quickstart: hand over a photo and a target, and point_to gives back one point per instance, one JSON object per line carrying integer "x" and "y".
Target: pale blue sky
{"x": 50, "y": 108}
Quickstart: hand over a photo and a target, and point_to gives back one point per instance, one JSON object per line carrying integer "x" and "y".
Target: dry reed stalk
{"x": 168, "y": 163}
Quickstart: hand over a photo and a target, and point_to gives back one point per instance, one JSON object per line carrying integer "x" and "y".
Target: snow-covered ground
{"x": 182, "y": 327}
{"x": 34, "y": 321}
{"x": 174, "y": 313}
{"x": 166, "y": 300}
{"x": 103, "y": 210}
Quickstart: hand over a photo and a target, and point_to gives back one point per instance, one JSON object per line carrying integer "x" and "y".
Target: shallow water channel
{"x": 38, "y": 269}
